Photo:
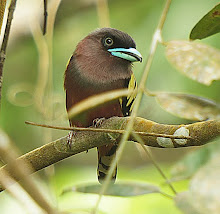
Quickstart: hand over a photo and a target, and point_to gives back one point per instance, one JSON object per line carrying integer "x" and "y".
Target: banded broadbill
{"x": 101, "y": 62}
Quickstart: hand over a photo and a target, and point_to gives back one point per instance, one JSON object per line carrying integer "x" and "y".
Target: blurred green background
{"x": 74, "y": 20}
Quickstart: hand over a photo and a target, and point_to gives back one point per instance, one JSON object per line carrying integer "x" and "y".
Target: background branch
{"x": 2, "y": 12}
{"x": 45, "y": 17}
{"x": 20, "y": 170}
{"x": 103, "y": 13}
{"x": 5, "y": 41}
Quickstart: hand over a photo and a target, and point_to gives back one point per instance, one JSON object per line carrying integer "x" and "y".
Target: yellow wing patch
{"x": 127, "y": 103}
{"x": 132, "y": 86}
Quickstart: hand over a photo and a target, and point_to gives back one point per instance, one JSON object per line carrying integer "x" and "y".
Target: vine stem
{"x": 45, "y": 17}
{"x": 2, "y": 12}
{"x": 103, "y": 13}
{"x": 156, "y": 39}
{"x": 139, "y": 139}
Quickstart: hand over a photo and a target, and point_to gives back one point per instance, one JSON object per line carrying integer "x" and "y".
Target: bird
{"x": 102, "y": 62}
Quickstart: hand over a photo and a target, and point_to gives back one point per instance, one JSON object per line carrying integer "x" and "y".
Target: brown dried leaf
{"x": 204, "y": 191}
{"x": 197, "y": 61}
{"x": 189, "y": 106}
{"x": 205, "y": 187}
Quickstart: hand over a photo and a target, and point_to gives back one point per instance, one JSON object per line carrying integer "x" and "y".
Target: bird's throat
{"x": 102, "y": 73}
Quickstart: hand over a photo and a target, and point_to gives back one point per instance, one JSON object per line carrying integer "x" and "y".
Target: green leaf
{"x": 204, "y": 190}
{"x": 208, "y": 25}
{"x": 194, "y": 160}
{"x": 190, "y": 163}
{"x": 118, "y": 189}
{"x": 205, "y": 187}
{"x": 197, "y": 61}
{"x": 189, "y": 106}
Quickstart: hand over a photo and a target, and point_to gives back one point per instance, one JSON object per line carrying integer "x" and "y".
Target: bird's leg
{"x": 71, "y": 139}
{"x": 112, "y": 139}
{"x": 98, "y": 122}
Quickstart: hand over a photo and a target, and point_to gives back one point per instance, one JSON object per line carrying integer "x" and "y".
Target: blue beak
{"x": 130, "y": 54}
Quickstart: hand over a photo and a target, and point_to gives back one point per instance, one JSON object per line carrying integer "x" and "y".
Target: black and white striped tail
{"x": 105, "y": 156}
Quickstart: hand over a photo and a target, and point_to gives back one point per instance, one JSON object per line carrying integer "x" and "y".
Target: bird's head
{"x": 106, "y": 55}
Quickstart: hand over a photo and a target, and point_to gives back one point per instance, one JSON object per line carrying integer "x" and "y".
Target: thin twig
{"x": 139, "y": 139}
{"x": 107, "y": 131}
{"x": 5, "y": 41}
{"x": 155, "y": 40}
{"x": 19, "y": 193}
{"x": 103, "y": 13}
{"x": 166, "y": 195}
{"x": 45, "y": 17}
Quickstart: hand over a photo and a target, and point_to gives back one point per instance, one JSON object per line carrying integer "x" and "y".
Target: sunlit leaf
{"x": 197, "y": 61}
{"x": 190, "y": 163}
{"x": 189, "y": 106}
{"x": 205, "y": 187}
{"x": 208, "y": 25}
{"x": 193, "y": 161}
{"x": 185, "y": 202}
{"x": 118, "y": 189}
{"x": 204, "y": 190}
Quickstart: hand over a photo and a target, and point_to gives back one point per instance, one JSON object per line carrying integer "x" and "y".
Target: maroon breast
{"x": 76, "y": 93}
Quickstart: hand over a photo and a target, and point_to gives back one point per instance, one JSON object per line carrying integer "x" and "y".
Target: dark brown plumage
{"x": 101, "y": 62}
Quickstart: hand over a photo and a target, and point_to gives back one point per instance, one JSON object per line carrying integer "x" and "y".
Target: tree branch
{"x": 21, "y": 171}
{"x": 2, "y": 12}
{"x": 200, "y": 133}
{"x": 5, "y": 40}
{"x": 45, "y": 17}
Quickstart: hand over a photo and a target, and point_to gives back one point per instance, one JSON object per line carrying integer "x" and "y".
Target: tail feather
{"x": 105, "y": 156}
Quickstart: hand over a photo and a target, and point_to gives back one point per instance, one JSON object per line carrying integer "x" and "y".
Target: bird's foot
{"x": 98, "y": 122}
{"x": 70, "y": 139}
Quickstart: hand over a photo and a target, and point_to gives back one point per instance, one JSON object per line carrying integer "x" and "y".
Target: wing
{"x": 128, "y": 102}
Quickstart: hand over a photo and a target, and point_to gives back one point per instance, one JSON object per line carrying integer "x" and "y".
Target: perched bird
{"x": 101, "y": 62}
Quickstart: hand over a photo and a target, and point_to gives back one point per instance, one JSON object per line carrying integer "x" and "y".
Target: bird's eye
{"x": 108, "y": 41}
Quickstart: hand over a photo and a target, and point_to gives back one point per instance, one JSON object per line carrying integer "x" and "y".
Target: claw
{"x": 98, "y": 122}
{"x": 70, "y": 139}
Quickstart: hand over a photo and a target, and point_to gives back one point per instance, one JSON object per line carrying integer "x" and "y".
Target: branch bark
{"x": 2, "y": 12}
{"x": 45, "y": 17}
{"x": 200, "y": 133}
